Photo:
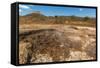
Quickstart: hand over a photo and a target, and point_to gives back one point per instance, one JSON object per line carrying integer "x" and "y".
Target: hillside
{"x": 38, "y": 18}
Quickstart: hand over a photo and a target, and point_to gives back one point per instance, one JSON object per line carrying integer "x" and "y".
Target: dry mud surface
{"x": 56, "y": 43}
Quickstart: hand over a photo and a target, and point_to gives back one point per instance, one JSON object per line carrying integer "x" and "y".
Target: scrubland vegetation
{"x": 56, "y": 38}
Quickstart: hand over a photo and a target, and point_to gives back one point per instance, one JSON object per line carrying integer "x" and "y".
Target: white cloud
{"x": 81, "y": 9}
{"x": 20, "y": 10}
{"x": 24, "y": 6}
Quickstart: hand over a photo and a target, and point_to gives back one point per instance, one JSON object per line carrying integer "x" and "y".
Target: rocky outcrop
{"x": 40, "y": 44}
{"x": 55, "y": 45}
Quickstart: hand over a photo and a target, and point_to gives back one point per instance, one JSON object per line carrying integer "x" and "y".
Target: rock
{"x": 57, "y": 44}
{"x": 48, "y": 42}
{"x": 91, "y": 49}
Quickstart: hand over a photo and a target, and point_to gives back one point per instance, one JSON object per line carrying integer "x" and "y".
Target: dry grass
{"x": 47, "y": 41}
{"x": 50, "y": 43}
{"x": 91, "y": 50}
{"x": 56, "y": 38}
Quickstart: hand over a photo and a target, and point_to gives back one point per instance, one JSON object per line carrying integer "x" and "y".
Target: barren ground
{"x": 81, "y": 41}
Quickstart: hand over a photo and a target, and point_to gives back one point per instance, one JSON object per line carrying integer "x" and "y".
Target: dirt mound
{"x": 55, "y": 45}
{"x": 45, "y": 45}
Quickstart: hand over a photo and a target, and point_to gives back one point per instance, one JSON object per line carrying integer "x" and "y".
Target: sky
{"x": 25, "y": 9}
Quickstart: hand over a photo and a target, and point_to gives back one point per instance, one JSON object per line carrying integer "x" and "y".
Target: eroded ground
{"x": 50, "y": 43}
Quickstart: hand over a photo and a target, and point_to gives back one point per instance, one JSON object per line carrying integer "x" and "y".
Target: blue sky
{"x": 57, "y": 10}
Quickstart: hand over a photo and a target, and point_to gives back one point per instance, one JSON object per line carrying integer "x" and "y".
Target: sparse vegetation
{"x": 50, "y": 38}
{"x": 41, "y": 19}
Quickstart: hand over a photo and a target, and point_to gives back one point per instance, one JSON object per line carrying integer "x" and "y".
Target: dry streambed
{"x": 56, "y": 43}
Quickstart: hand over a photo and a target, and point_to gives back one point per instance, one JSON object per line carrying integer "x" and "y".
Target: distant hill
{"x": 38, "y": 17}
{"x": 32, "y": 17}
